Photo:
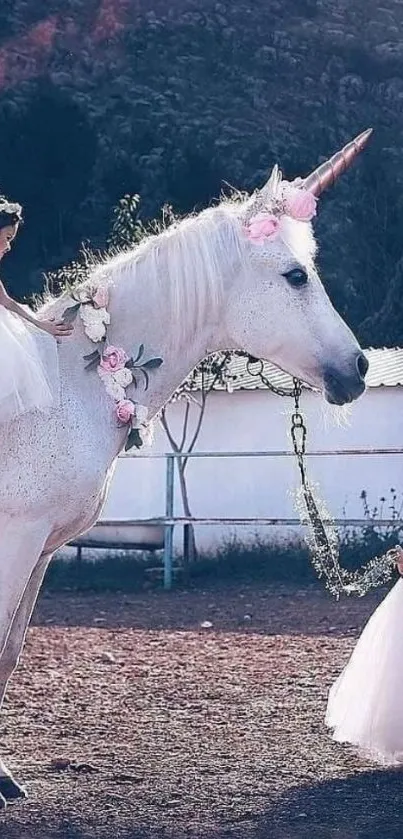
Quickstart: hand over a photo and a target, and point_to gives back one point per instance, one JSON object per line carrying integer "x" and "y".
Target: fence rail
{"x": 170, "y": 521}
{"x": 265, "y": 453}
{"x": 272, "y": 522}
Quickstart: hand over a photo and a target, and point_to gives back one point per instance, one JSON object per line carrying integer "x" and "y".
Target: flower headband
{"x": 11, "y": 209}
{"x": 293, "y": 201}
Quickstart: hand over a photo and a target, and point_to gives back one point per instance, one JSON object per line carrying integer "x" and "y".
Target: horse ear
{"x": 270, "y": 190}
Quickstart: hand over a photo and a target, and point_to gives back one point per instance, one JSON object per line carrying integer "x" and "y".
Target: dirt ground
{"x": 129, "y": 719}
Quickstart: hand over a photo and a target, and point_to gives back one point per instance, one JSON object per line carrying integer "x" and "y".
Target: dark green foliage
{"x": 177, "y": 99}
{"x": 112, "y": 573}
{"x": 127, "y": 230}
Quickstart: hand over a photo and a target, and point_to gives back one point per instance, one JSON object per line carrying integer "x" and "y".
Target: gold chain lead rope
{"x": 322, "y": 536}
{"x": 322, "y": 539}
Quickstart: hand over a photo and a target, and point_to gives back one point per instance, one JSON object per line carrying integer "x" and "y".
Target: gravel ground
{"x": 193, "y": 714}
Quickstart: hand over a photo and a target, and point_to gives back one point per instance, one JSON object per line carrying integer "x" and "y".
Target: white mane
{"x": 186, "y": 264}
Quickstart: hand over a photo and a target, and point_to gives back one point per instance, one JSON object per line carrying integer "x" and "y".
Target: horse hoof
{"x": 3, "y": 803}
{"x": 10, "y": 790}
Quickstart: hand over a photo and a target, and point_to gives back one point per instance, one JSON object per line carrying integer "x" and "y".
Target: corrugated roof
{"x": 385, "y": 369}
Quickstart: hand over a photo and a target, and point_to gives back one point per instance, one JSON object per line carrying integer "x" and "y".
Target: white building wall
{"x": 254, "y": 421}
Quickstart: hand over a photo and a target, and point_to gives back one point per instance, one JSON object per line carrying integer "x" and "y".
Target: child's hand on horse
{"x": 57, "y": 328}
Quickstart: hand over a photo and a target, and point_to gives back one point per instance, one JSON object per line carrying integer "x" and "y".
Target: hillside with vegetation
{"x": 104, "y": 97}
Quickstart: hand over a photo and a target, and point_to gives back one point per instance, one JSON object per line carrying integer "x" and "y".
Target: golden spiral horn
{"x": 327, "y": 173}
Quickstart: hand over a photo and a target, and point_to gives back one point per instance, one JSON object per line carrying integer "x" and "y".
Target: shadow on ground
{"x": 268, "y": 610}
{"x": 365, "y": 806}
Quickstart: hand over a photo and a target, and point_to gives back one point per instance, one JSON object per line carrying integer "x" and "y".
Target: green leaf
{"x": 152, "y": 364}
{"x": 91, "y": 364}
{"x": 146, "y": 378}
{"x": 134, "y": 439}
{"x": 139, "y": 354}
{"x": 92, "y": 356}
{"x": 69, "y": 315}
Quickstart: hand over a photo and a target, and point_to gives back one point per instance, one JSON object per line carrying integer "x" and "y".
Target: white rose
{"x": 95, "y": 332}
{"x": 123, "y": 377}
{"x": 106, "y": 318}
{"x": 113, "y": 389}
{"x": 95, "y": 321}
{"x": 90, "y": 315}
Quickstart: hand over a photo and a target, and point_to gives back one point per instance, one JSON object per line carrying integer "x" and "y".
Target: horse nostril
{"x": 362, "y": 365}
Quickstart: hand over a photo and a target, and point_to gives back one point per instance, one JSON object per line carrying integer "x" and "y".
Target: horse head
{"x": 276, "y": 306}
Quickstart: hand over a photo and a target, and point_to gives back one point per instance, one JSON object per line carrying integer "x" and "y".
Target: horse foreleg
{"x": 20, "y": 580}
{"x": 9, "y": 788}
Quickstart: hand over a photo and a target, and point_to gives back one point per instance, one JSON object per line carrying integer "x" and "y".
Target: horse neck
{"x": 135, "y": 322}
{"x": 170, "y": 298}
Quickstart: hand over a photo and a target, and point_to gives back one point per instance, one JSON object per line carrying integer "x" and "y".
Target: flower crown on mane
{"x": 278, "y": 199}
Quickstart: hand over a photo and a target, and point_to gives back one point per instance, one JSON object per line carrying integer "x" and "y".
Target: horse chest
{"x": 60, "y": 474}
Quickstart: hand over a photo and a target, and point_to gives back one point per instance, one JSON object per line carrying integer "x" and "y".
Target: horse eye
{"x": 296, "y": 277}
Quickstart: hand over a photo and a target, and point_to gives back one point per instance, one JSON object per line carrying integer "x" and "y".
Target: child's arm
{"x": 55, "y": 328}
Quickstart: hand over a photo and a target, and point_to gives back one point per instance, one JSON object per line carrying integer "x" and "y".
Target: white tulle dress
{"x": 365, "y": 704}
{"x": 28, "y": 368}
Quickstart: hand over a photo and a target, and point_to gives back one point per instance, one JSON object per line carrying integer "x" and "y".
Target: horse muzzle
{"x": 342, "y": 387}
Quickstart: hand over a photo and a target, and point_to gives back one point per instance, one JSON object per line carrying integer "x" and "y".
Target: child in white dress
{"x": 365, "y": 704}
{"x": 24, "y": 383}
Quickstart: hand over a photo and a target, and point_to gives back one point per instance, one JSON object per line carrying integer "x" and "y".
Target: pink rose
{"x": 261, "y": 227}
{"x": 299, "y": 204}
{"x": 113, "y": 358}
{"x": 125, "y": 410}
{"x": 101, "y": 297}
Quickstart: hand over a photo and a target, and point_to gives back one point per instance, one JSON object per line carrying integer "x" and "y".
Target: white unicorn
{"x": 238, "y": 276}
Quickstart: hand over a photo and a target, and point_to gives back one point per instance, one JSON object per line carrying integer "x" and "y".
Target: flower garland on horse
{"x": 116, "y": 369}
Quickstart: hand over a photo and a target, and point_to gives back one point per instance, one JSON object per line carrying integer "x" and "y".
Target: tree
{"x": 104, "y": 97}
{"x": 193, "y": 393}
